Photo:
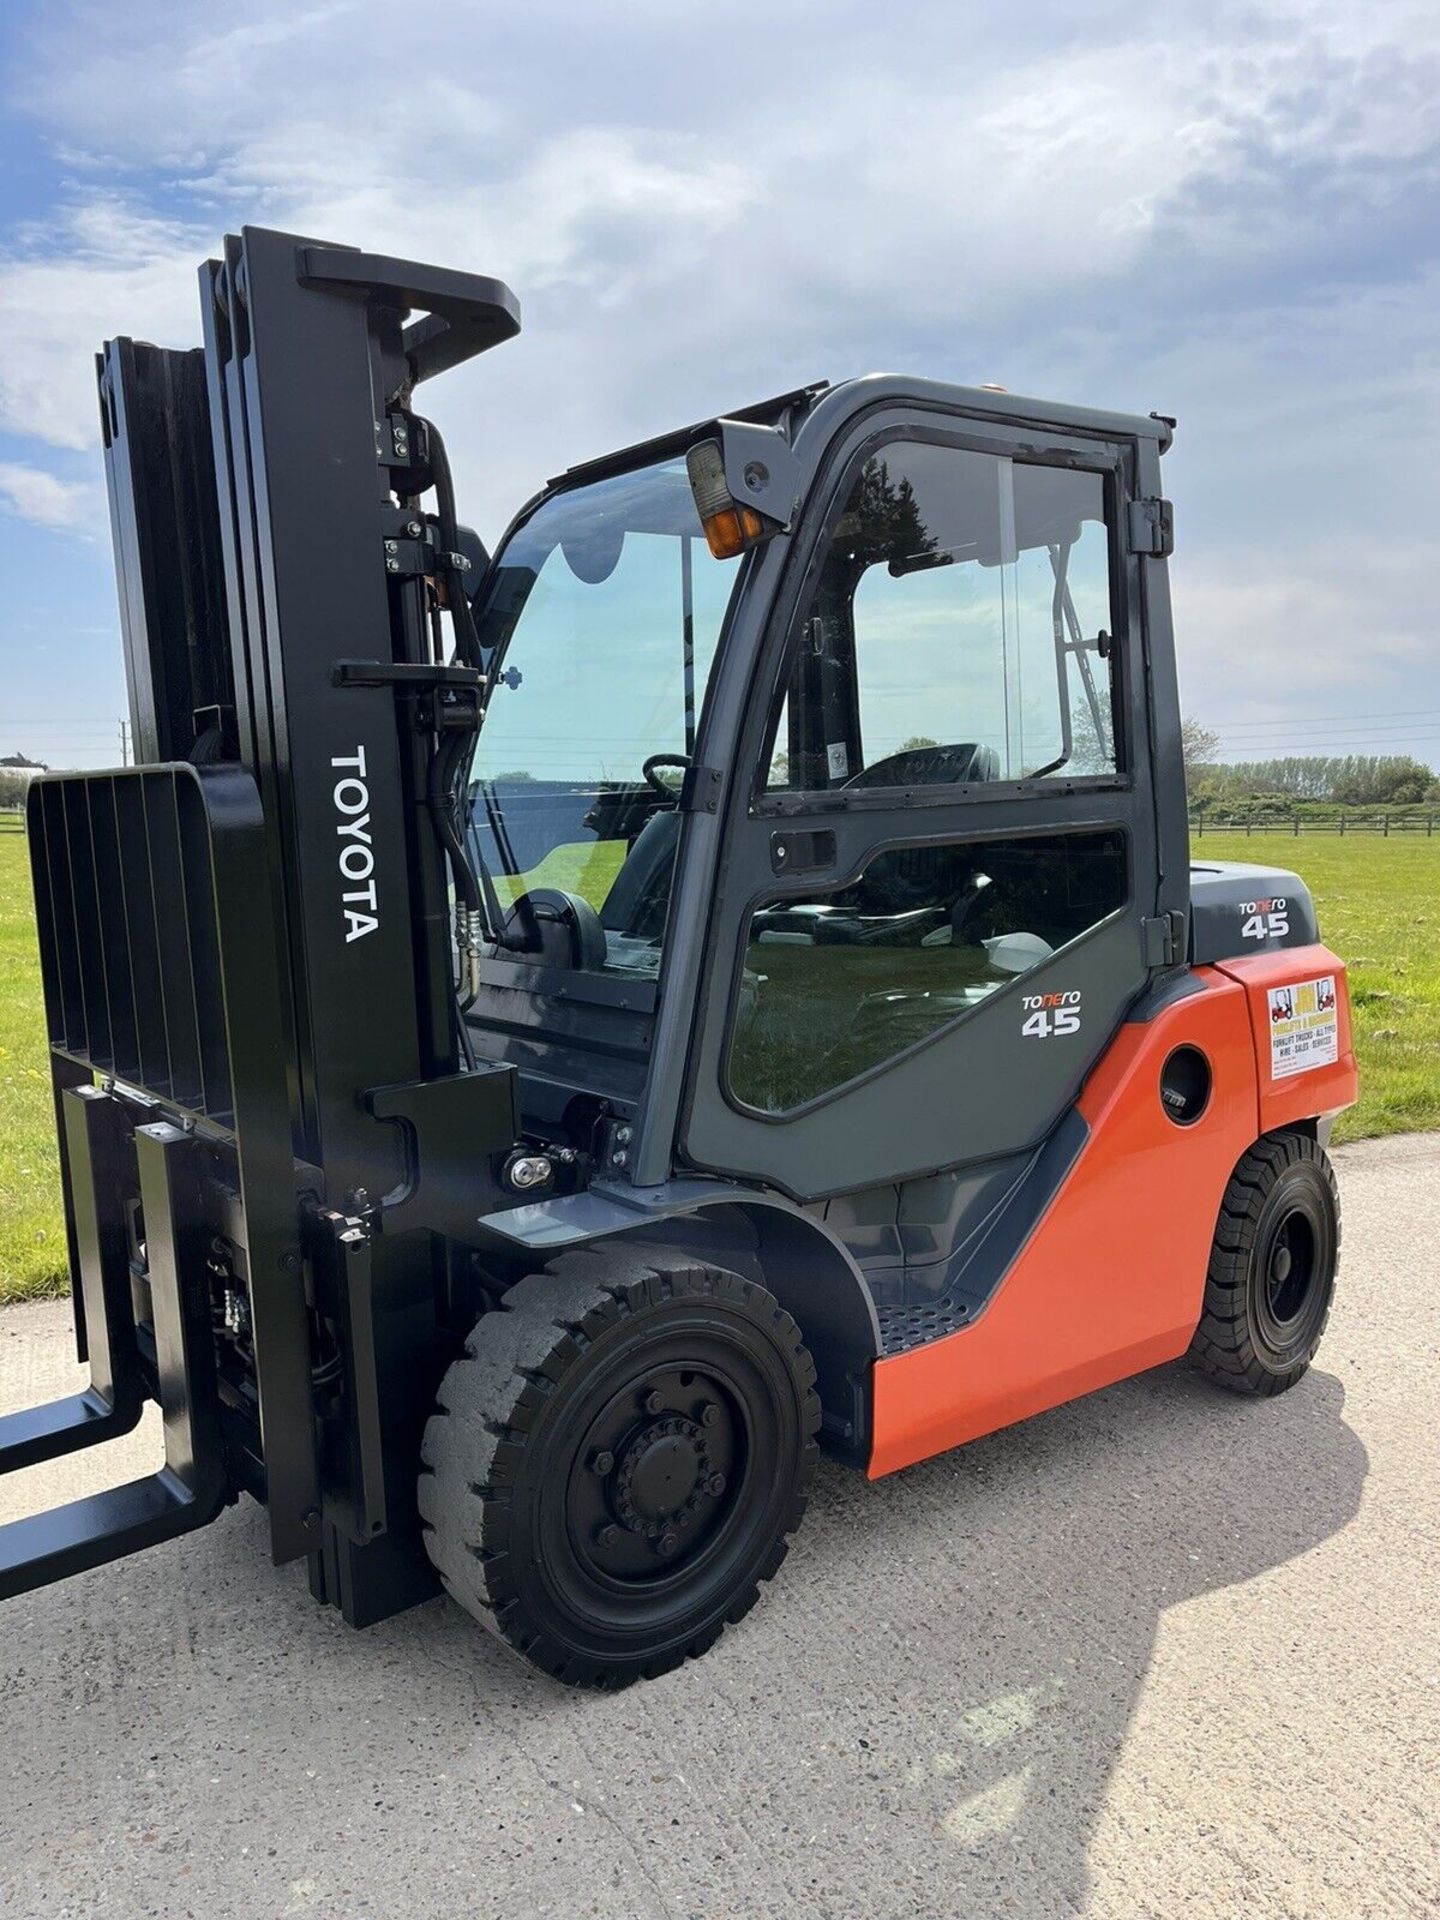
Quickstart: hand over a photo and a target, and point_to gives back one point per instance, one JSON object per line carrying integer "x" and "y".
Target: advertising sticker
{"x": 1304, "y": 1027}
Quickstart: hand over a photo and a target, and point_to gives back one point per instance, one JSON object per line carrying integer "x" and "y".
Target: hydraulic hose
{"x": 480, "y": 913}
{"x": 469, "y": 915}
{"x": 467, "y": 636}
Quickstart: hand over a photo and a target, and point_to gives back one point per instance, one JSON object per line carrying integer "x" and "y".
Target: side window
{"x": 837, "y": 983}
{"x": 959, "y": 630}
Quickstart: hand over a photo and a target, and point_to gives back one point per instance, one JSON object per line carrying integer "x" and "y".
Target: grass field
{"x": 1379, "y": 904}
{"x": 32, "y": 1241}
{"x": 1379, "y": 907}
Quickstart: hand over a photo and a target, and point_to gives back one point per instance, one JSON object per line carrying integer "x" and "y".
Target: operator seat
{"x": 639, "y": 896}
{"x": 930, "y": 767}
{"x": 899, "y": 881}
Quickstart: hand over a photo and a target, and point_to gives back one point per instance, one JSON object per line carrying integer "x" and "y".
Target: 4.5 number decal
{"x": 1050, "y": 1015}
{"x": 1264, "y": 919}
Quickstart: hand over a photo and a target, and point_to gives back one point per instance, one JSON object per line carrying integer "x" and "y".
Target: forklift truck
{"x": 542, "y": 1044}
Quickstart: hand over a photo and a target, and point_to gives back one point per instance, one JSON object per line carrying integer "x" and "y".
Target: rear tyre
{"x": 1272, "y": 1267}
{"x": 617, "y": 1461}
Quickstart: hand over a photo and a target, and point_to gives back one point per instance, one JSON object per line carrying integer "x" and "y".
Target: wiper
{"x": 479, "y": 915}
{"x": 1065, "y": 624}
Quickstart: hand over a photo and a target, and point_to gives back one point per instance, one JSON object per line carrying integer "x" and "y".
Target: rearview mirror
{"x": 593, "y": 554}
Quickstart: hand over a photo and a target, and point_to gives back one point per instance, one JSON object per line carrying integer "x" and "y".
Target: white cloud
{"x": 1229, "y": 214}
{"x": 102, "y": 268}
{"x": 1266, "y": 637}
{"x": 39, "y": 497}
{"x": 939, "y": 179}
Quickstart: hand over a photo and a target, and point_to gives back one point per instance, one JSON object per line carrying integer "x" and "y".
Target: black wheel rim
{"x": 670, "y": 1475}
{"x": 1290, "y": 1268}
{"x": 660, "y": 1470}
{"x": 1294, "y": 1260}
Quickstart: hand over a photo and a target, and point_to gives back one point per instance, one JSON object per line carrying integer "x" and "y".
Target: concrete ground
{"x": 1159, "y": 1653}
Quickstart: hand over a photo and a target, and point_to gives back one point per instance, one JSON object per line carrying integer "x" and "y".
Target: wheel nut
{"x": 607, "y": 1535}
{"x": 655, "y": 1401}
{"x": 602, "y": 1463}
{"x": 709, "y": 1414}
{"x": 666, "y": 1545}
{"x": 715, "y": 1485}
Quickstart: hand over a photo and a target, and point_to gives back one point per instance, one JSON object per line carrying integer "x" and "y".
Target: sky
{"x": 1229, "y": 213}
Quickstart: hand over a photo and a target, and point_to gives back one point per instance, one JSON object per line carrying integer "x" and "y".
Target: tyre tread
{"x": 489, "y": 1400}
{"x": 1222, "y": 1345}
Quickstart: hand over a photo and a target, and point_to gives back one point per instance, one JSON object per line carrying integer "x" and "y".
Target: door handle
{"x": 803, "y": 851}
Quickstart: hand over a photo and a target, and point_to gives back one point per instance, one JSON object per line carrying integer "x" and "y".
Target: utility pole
{"x": 124, "y": 743}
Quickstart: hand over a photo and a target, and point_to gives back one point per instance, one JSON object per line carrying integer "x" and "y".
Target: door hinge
{"x": 700, "y": 789}
{"x": 1151, "y": 526}
{"x": 1164, "y": 939}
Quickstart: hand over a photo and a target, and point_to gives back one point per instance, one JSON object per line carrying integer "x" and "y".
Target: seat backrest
{"x": 640, "y": 892}
{"x": 931, "y": 766}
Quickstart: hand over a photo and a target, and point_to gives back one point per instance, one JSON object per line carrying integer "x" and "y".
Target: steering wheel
{"x": 652, "y": 766}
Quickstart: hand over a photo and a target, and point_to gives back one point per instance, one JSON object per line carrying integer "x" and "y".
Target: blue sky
{"x": 1230, "y": 213}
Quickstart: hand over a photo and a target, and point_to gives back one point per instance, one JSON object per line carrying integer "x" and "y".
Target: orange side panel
{"x": 1111, "y": 1280}
{"x": 1305, "y": 1090}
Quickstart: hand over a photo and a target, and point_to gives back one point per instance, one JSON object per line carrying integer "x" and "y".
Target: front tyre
{"x": 1272, "y": 1267}
{"x": 617, "y": 1461}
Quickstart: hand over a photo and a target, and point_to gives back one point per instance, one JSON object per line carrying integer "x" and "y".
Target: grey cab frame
{"x": 967, "y": 1092}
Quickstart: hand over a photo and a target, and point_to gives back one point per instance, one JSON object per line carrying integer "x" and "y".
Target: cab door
{"x": 932, "y": 906}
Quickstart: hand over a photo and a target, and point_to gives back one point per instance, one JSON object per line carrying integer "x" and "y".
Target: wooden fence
{"x": 13, "y": 821}
{"x": 1298, "y": 823}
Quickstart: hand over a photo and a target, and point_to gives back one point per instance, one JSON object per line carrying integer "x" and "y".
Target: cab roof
{"x": 833, "y": 404}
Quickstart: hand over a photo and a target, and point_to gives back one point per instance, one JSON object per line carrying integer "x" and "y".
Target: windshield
{"x": 605, "y": 608}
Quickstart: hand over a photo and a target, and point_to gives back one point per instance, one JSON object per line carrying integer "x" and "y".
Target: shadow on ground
{"x": 921, "y": 1717}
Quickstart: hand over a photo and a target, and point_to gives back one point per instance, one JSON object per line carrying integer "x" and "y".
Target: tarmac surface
{"x": 1162, "y": 1652}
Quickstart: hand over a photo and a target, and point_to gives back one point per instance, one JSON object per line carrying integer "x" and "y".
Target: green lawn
{"x": 32, "y": 1241}
{"x": 1379, "y": 906}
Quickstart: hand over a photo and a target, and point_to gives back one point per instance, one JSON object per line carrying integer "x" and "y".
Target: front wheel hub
{"x": 661, "y": 1470}
{"x": 1291, "y": 1269}
{"x": 660, "y": 1479}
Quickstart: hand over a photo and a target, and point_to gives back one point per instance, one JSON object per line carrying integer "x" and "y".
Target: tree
{"x": 1409, "y": 791}
{"x": 883, "y": 522}
{"x": 1198, "y": 744}
{"x": 1351, "y": 779}
{"x": 1090, "y": 749}
{"x": 16, "y": 773}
